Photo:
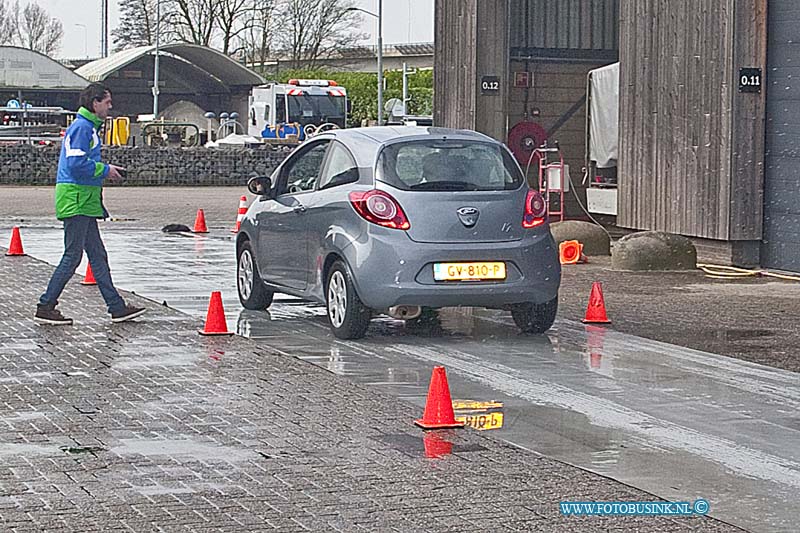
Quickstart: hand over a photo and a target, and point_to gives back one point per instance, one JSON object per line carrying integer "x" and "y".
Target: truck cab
{"x": 297, "y": 108}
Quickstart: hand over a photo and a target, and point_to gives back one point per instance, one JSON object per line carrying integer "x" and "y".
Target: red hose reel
{"x": 523, "y": 139}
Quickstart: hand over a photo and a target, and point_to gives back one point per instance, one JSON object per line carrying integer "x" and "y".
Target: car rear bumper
{"x": 390, "y": 269}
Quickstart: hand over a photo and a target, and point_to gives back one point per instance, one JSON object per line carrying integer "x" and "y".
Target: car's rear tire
{"x": 347, "y": 316}
{"x": 535, "y": 318}
{"x": 252, "y": 292}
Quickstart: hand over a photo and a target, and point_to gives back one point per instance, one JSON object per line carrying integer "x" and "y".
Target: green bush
{"x": 362, "y": 90}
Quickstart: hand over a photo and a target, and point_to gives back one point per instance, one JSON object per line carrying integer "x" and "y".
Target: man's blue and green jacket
{"x": 79, "y": 183}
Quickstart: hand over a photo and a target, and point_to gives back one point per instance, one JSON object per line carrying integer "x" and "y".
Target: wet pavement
{"x": 676, "y": 422}
{"x": 148, "y": 426}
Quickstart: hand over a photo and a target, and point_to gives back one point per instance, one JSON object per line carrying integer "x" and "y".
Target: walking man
{"x": 79, "y": 203}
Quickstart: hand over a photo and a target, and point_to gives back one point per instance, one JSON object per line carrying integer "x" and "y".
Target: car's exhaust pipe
{"x": 404, "y": 312}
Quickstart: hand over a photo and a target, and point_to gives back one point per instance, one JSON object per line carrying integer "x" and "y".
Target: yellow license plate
{"x": 482, "y": 421}
{"x": 469, "y": 271}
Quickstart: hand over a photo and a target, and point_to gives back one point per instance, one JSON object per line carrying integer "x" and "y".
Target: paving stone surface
{"x": 147, "y": 426}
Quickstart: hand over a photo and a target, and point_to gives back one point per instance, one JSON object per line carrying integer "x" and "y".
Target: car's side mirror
{"x": 260, "y": 185}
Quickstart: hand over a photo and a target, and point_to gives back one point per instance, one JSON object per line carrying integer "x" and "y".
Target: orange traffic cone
{"x": 439, "y": 406}
{"x": 15, "y": 248}
{"x": 88, "y": 279}
{"x": 596, "y": 312}
{"x": 570, "y": 252}
{"x": 200, "y": 222}
{"x": 215, "y": 319}
{"x": 241, "y": 214}
{"x": 436, "y": 445}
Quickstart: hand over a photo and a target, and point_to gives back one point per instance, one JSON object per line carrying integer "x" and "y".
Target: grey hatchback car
{"x": 399, "y": 221}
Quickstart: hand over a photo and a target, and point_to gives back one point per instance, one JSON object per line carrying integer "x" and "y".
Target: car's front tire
{"x": 252, "y": 292}
{"x": 348, "y": 317}
{"x": 535, "y": 318}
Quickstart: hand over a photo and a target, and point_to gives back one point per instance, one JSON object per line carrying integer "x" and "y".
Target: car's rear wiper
{"x": 445, "y": 186}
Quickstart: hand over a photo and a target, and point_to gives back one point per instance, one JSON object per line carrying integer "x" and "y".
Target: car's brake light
{"x": 535, "y": 210}
{"x": 379, "y": 208}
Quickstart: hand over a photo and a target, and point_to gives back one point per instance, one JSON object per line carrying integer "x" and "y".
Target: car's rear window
{"x": 448, "y": 165}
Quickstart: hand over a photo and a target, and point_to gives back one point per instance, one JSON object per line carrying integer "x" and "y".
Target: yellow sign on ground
{"x": 479, "y": 415}
{"x": 482, "y": 422}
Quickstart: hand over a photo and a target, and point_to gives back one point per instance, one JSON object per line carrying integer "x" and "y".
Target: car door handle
{"x": 299, "y": 209}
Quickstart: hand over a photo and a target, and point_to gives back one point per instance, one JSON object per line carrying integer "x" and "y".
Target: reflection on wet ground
{"x": 679, "y": 423}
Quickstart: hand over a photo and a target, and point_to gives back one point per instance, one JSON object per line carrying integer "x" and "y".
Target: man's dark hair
{"x": 95, "y": 92}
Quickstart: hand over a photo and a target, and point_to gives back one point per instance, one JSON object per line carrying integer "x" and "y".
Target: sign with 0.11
{"x": 749, "y": 80}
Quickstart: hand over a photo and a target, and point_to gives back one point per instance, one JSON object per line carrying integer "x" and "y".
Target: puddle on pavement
{"x": 433, "y": 444}
{"x": 183, "y": 448}
{"x": 28, "y": 377}
{"x": 26, "y": 449}
{"x": 186, "y": 356}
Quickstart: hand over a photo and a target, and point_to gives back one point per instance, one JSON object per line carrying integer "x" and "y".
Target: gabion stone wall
{"x": 36, "y": 165}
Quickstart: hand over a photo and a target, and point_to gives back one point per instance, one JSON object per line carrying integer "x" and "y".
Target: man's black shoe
{"x": 129, "y": 313}
{"x": 48, "y": 314}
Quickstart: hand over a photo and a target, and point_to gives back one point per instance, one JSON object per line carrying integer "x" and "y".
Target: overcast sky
{"x": 403, "y": 21}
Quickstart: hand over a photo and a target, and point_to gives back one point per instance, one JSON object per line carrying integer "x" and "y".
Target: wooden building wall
{"x": 691, "y": 146}
{"x": 549, "y": 25}
{"x": 471, "y": 41}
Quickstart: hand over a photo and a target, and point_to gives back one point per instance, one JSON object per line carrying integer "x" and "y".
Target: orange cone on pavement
{"x": 240, "y": 215}
{"x": 200, "y": 222}
{"x": 15, "y": 247}
{"x": 88, "y": 279}
{"x": 596, "y": 311}
{"x": 570, "y": 252}
{"x": 439, "y": 406}
{"x": 215, "y": 318}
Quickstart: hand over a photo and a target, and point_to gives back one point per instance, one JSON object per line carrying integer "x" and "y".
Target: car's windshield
{"x": 317, "y": 109}
{"x": 448, "y": 165}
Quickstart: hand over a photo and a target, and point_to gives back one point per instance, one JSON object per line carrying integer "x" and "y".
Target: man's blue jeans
{"x": 81, "y": 233}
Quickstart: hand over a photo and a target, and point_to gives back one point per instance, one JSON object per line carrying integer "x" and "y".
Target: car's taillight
{"x": 379, "y": 208}
{"x": 535, "y": 210}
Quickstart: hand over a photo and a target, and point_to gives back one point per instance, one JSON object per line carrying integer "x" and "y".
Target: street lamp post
{"x": 155, "y": 64}
{"x": 380, "y": 63}
{"x": 379, "y": 16}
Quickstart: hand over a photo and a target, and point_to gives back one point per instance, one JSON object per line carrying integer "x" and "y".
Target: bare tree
{"x": 8, "y": 24}
{"x": 234, "y": 19}
{"x": 194, "y": 21}
{"x": 137, "y": 24}
{"x": 37, "y": 30}
{"x": 316, "y": 28}
{"x": 257, "y": 39}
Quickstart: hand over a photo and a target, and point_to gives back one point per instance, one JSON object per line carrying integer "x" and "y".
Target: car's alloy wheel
{"x": 245, "y": 274}
{"x": 337, "y": 299}
{"x": 253, "y": 294}
{"x": 348, "y": 317}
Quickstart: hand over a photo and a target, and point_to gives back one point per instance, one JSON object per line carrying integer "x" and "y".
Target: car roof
{"x": 386, "y": 134}
{"x": 365, "y": 143}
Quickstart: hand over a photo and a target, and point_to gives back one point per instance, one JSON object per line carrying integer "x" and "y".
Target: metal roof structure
{"x": 21, "y": 68}
{"x": 216, "y": 64}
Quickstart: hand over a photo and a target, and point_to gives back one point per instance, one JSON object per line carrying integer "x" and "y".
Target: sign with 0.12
{"x": 490, "y": 85}
{"x": 750, "y": 80}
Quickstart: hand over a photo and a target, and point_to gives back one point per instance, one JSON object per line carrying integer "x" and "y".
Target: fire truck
{"x": 296, "y": 110}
